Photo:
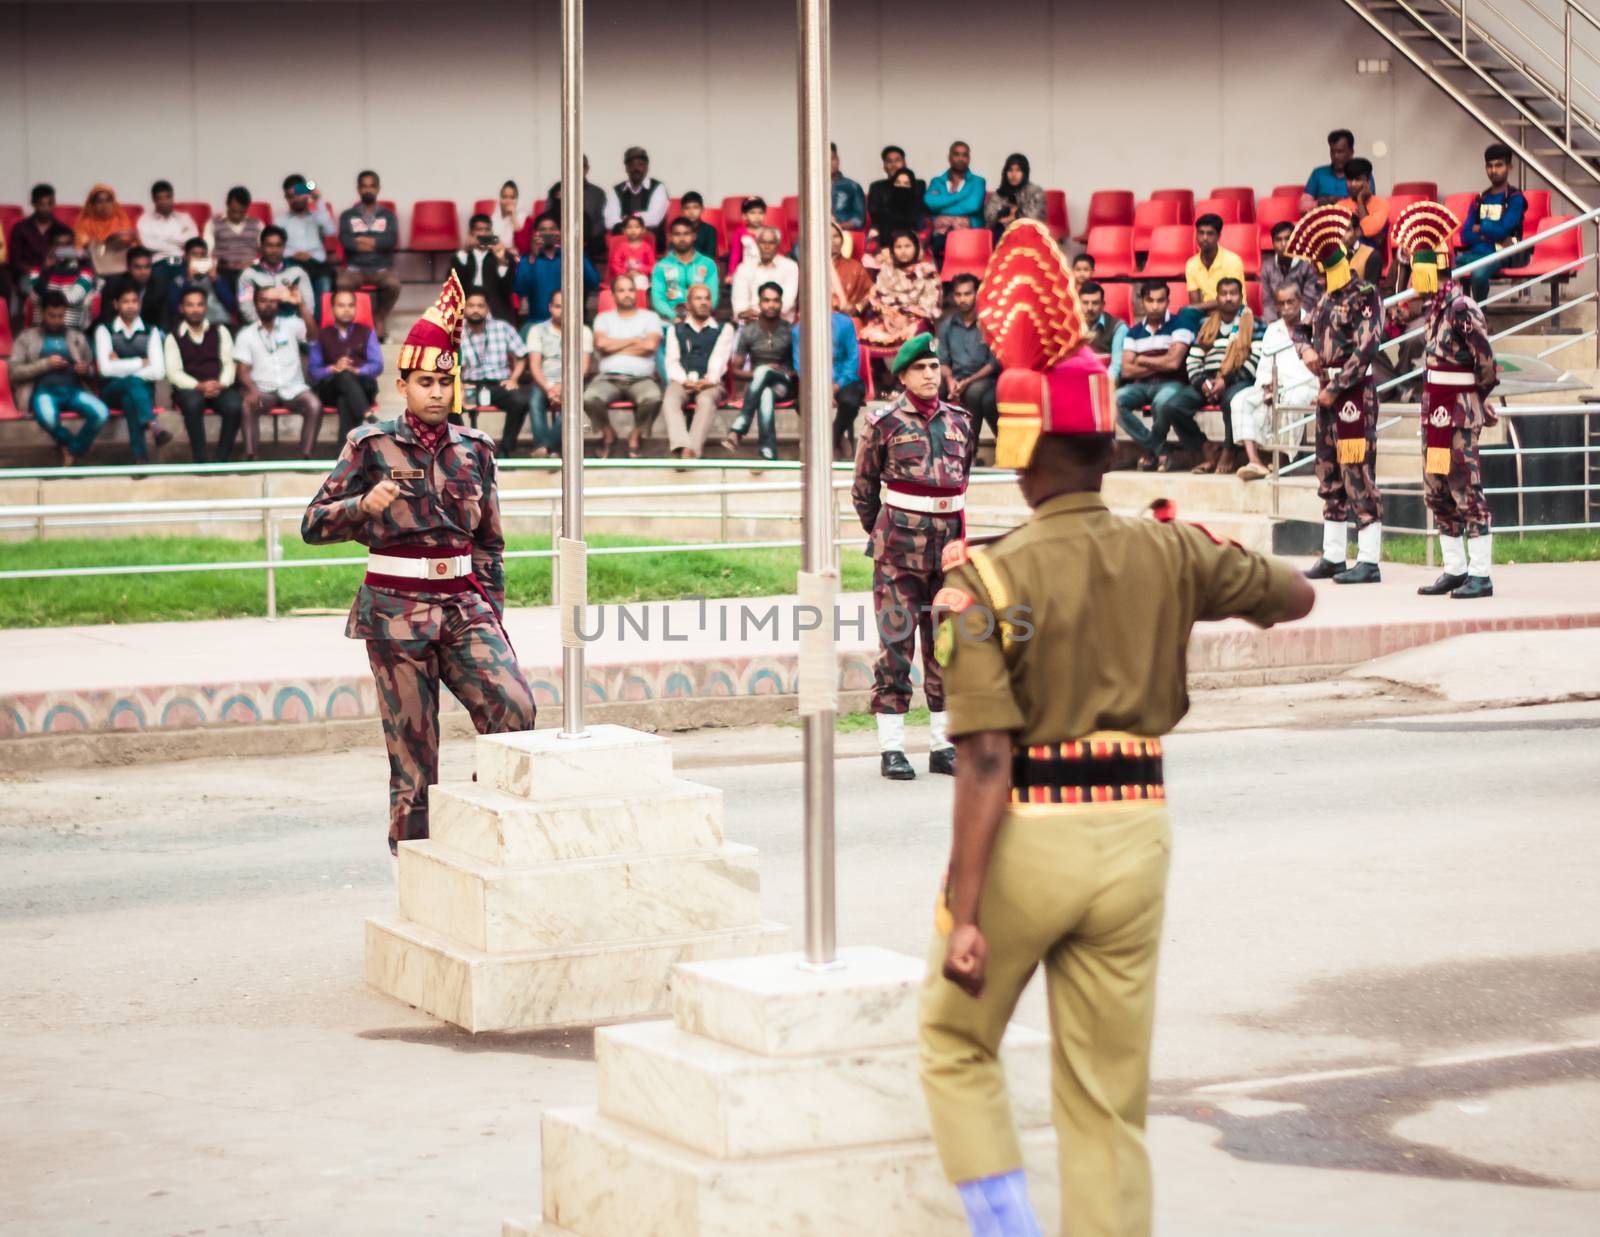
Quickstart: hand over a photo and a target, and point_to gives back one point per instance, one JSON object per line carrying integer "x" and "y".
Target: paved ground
{"x": 1379, "y": 1013}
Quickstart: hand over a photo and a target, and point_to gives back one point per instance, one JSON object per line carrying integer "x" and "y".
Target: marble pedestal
{"x": 561, "y": 887}
{"x": 778, "y": 1101}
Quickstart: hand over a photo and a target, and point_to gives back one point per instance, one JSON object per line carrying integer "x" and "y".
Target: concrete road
{"x": 1380, "y": 1000}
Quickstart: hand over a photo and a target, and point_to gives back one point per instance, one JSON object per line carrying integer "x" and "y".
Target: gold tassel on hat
{"x": 455, "y": 400}
{"x": 1338, "y": 274}
{"x": 1424, "y": 272}
{"x": 1015, "y": 440}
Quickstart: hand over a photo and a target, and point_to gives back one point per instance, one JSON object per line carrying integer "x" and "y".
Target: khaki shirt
{"x": 1101, "y": 607}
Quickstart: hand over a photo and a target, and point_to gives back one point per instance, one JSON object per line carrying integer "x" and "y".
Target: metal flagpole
{"x": 573, "y": 591}
{"x": 819, "y": 575}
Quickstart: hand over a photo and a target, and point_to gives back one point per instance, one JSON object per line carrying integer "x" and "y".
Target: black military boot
{"x": 1361, "y": 573}
{"x": 1323, "y": 569}
{"x": 896, "y": 767}
{"x": 1446, "y": 583}
{"x": 942, "y": 761}
{"x": 1473, "y": 586}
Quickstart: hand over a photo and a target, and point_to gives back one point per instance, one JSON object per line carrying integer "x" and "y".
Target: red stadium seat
{"x": 1055, "y": 212}
{"x": 1243, "y": 239}
{"x": 1272, "y": 211}
{"x": 435, "y": 227}
{"x": 1552, "y": 254}
{"x": 1177, "y": 294}
{"x": 1111, "y": 246}
{"x": 1538, "y": 208}
{"x": 8, "y": 408}
{"x": 606, "y": 303}
{"x": 1252, "y": 296}
{"x": 1171, "y": 247}
{"x": 67, "y": 214}
{"x": 1399, "y": 201}
{"x": 387, "y": 204}
{"x": 1288, "y": 191}
{"x": 1147, "y": 217}
{"x": 9, "y": 215}
{"x": 790, "y": 228}
{"x": 1119, "y": 300}
{"x": 731, "y": 215}
{"x": 1426, "y": 190}
{"x": 363, "y": 310}
{"x": 1458, "y": 204}
{"x": 966, "y": 252}
{"x": 259, "y": 210}
{"x": 1183, "y": 197}
{"x": 1245, "y": 196}
{"x": 486, "y": 206}
{"x": 1109, "y": 207}
{"x": 1227, "y": 208}
{"x": 5, "y": 331}
{"x": 200, "y": 212}
{"x": 135, "y": 212}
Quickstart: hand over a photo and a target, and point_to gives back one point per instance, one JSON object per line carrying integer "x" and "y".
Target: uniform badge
{"x": 1351, "y": 411}
{"x": 405, "y": 474}
{"x": 447, "y": 360}
{"x": 954, "y": 600}
{"x": 954, "y": 555}
{"x": 944, "y": 643}
{"x": 1439, "y": 418}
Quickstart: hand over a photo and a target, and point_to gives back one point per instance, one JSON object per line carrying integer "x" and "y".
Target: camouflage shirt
{"x": 898, "y": 443}
{"x": 1346, "y": 331}
{"x": 1455, "y": 335}
{"x": 447, "y": 499}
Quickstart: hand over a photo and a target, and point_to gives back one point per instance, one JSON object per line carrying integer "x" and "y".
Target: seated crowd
{"x": 246, "y": 317}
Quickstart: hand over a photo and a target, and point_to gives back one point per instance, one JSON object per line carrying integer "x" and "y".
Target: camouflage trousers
{"x": 903, "y": 602}
{"x": 1456, "y": 498}
{"x": 1349, "y": 492}
{"x": 473, "y": 658}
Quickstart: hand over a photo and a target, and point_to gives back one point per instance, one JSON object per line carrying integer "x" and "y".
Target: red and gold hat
{"x": 434, "y": 340}
{"x": 1028, "y": 305}
{"x": 1320, "y": 237}
{"x": 1422, "y": 234}
{"x": 1074, "y": 397}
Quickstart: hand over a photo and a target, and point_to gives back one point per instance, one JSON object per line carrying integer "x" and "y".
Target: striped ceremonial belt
{"x": 439, "y": 569}
{"x": 929, "y": 499}
{"x": 1442, "y": 376}
{"x": 1100, "y": 768}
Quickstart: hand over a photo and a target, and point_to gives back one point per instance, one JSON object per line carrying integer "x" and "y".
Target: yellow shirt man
{"x": 1204, "y": 279}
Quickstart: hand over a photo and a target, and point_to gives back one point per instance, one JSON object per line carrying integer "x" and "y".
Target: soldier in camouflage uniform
{"x": 912, "y": 463}
{"x": 1459, "y": 374}
{"x": 1346, "y": 331}
{"x": 420, "y": 494}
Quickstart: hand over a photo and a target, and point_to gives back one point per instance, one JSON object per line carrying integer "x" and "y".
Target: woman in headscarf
{"x": 1017, "y": 197}
{"x": 906, "y": 211}
{"x": 849, "y": 281}
{"x": 906, "y": 296}
{"x": 105, "y": 231}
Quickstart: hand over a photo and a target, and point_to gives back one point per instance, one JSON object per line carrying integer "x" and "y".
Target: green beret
{"x": 913, "y": 350}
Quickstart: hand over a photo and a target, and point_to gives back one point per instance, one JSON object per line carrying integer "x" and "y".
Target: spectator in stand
{"x": 764, "y": 355}
{"x": 594, "y": 216}
{"x": 742, "y": 239}
{"x": 1283, "y": 271}
{"x": 848, "y": 204}
{"x": 638, "y": 193}
{"x": 1106, "y": 333}
{"x": 29, "y": 246}
{"x": 905, "y": 297}
{"x": 770, "y": 266}
{"x": 51, "y": 373}
{"x": 344, "y": 364}
{"x": 955, "y": 200}
{"x": 105, "y": 232}
{"x": 140, "y": 276}
{"x": 200, "y": 368}
{"x": 626, "y": 339}
{"x": 1082, "y": 270}
{"x": 234, "y": 238}
{"x": 68, "y": 276}
{"x": 539, "y": 274}
{"x": 969, "y": 366}
{"x": 1154, "y": 355}
{"x": 849, "y": 392}
{"x": 128, "y": 353}
{"x": 307, "y": 223}
{"x": 164, "y": 229}
{"x": 485, "y": 266}
{"x": 197, "y": 274}
{"x": 1371, "y": 252}
{"x": 509, "y": 218}
{"x": 1211, "y": 265}
{"x": 698, "y": 348}
{"x": 683, "y": 269}
{"x": 902, "y": 209}
{"x": 267, "y": 354}
{"x": 693, "y": 207}
{"x": 271, "y": 271}
{"x": 369, "y": 234}
{"x": 1016, "y": 197}
{"x": 1283, "y": 379}
{"x": 851, "y": 285}
{"x": 6, "y": 283}
{"x": 493, "y": 358}
{"x": 544, "y": 396}
{"x": 880, "y": 208}
{"x": 634, "y": 254}
{"x": 1222, "y": 361}
{"x": 1327, "y": 183}
{"x": 1493, "y": 220}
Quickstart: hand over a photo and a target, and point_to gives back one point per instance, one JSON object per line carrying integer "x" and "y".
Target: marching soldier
{"x": 1346, "y": 332}
{"x": 912, "y": 464}
{"x": 1062, "y": 651}
{"x": 1459, "y": 374}
{"x": 419, "y": 493}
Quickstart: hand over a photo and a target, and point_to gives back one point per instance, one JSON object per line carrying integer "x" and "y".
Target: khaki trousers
{"x": 692, "y": 432}
{"x": 1080, "y": 889}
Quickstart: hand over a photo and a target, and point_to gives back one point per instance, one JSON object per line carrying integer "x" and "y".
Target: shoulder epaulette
{"x": 475, "y": 435}
{"x": 954, "y": 555}
{"x": 999, "y": 599}
{"x": 363, "y": 432}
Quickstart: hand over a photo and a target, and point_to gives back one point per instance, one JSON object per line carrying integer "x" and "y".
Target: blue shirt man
{"x": 1327, "y": 183}
{"x": 1493, "y": 221}
{"x": 848, "y": 391}
{"x": 849, "y": 203}
{"x": 539, "y": 275}
{"x": 680, "y": 269}
{"x": 959, "y": 193}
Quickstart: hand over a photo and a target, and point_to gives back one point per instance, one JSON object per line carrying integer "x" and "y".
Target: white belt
{"x": 932, "y": 504}
{"x": 1450, "y": 378}
{"x": 449, "y": 568}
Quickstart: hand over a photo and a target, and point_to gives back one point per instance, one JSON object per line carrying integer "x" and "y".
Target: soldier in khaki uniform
{"x": 1063, "y": 655}
{"x": 419, "y": 493}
